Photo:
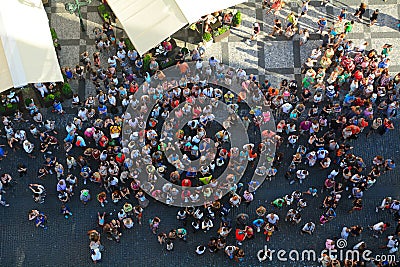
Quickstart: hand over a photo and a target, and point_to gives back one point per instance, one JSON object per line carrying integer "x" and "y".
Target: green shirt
{"x": 278, "y": 202}
{"x": 348, "y": 27}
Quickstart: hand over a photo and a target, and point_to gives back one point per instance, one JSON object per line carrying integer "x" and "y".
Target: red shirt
{"x": 186, "y": 183}
{"x": 240, "y": 235}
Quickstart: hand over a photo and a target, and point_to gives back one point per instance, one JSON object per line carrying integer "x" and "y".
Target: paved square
{"x": 65, "y": 242}
{"x": 246, "y": 56}
{"x": 279, "y": 54}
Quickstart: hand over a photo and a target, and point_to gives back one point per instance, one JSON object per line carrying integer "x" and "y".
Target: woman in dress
{"x": 276, "y": 6}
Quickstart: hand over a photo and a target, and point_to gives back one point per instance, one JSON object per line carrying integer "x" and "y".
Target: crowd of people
{"x": 346, "y": 91}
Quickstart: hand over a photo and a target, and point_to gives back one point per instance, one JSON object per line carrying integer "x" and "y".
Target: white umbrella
{"x": 149, "y": 22}
{"x": 27, "y": 53}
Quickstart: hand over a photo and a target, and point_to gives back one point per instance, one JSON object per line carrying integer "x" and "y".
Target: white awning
{"x": 27, "y": 54}
{"x": 149, "y": 22}
{"x": 194, "y": 9}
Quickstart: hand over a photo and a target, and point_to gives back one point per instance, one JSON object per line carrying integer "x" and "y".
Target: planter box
{"x": 207, "y": 44}
{"x": 216, "y": 25}
{"x": 48, "y": 104}
{"x": 67, "y": 96}
{"x": 221, "y": 36}
{"x": 102, "y": 10}
{"x": 8, "y": 111}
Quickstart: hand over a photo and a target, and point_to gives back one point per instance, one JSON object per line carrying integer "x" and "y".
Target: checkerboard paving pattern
{"x": 65, "y": 243}
{"x": 283, "y": 57}
{"x": 268, "y": 56}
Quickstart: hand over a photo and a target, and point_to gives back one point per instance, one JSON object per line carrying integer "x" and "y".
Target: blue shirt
{"x": 258, "y": 222}
{"x": 213, "y": 62}
{"x": 102, "y": 109}
{"x": 391, "y": 164}
{"x": 348, "y": 98}
{"x": 68, "y": 73}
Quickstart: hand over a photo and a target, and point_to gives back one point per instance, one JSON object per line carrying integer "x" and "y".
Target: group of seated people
{"x": 216, "y": 19}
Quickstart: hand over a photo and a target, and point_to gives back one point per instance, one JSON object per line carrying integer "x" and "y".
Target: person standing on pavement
{"x": 266, "y": 3}
{"x": 268, "y": 231}
{"x": 379, "y": 228}
{"x": 321, "y": 25}
{"x": 348, "y": 26}
{"x": 41, "y": 220}
{"x": 276, "y": 6}
{"x": 304, "y": 36}
{"x": 273, "y": 219}
{"x": 154, "y": 224}
{"x": 326, "y": 2}
{"x": 256, "y": 31}
{"x": 308, "y": 228}
{"x": 292, "y": 20}
{"x": 360, "y": 11}
{"x": 277, "y": 28}
{"x": 374, "y": 17}
{"x": 213, "y": 63}
{"x": 95, "y": 254}
{"x": 342, "y": 14}
{"x": 304, "y": 8}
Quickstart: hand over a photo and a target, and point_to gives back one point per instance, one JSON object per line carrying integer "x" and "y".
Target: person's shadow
{"x": 383, "y": 19}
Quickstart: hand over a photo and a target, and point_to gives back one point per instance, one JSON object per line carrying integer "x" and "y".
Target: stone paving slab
{"x": 246, "y": 56}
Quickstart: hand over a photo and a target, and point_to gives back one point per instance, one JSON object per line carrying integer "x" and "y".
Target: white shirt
{"x": 378, "y": 226}
{"x": 308, "y": 227}
{"x": 344, "y": 234}
{"x": 286, "y": 107}
{"x": 334, "y": 173}
{"x": 208, "y": 91}
{"x": 361, "y": 47}
{"x": 28, "y": 146}
{"x": 20, "y": 135}
{"x": 121, "y": 54}
{"x": 97, "y": 255}
{"x": 112, "y": 100}
{"x": 273, "y": 220}
{"x": 199, "y": 64}
{"x": 300, "y": 174}
{"x": 9, "y": 130}
{"x": 241, "y": 74}
{"x": 70, "y": 128}
{"x": 112, "y": 61}
{"x": 82, "y": 114}
{"x": 392, "y": 242}
{"x": 395, "y": 206}
{"x": 125, "y": 101}
{"x": 315, "y": 53}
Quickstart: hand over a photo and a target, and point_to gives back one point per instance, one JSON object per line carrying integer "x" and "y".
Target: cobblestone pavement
{"x": 65, "y": 243}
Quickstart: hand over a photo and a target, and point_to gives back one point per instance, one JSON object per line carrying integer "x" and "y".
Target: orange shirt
{"x": 183, "y": 67}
